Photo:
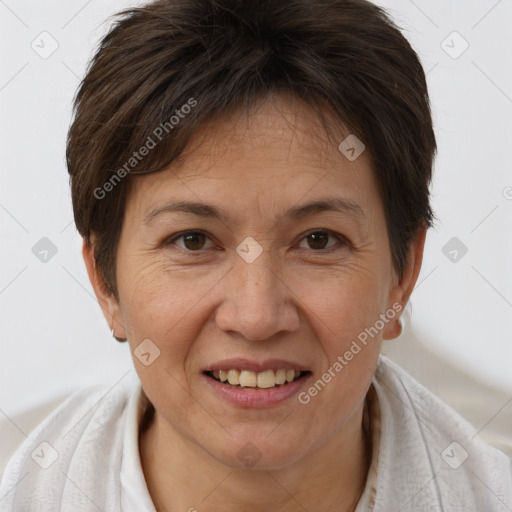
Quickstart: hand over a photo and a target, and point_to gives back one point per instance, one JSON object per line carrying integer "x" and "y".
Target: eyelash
{"x": 340, "y": 238}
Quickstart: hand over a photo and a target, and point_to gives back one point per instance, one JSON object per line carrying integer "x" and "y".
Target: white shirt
{"x": 134, "y": 492}
{"x": 425, "y": 457}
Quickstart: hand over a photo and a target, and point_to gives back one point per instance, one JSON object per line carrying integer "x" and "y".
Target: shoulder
{"x": 83, "y": 434}
{"x": 433, "y": 450}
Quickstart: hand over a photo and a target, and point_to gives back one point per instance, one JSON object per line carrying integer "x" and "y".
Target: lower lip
{"x": 256, "y": 398}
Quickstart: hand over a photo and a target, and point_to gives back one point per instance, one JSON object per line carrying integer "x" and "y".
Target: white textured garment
{"x": 425, "y": 457}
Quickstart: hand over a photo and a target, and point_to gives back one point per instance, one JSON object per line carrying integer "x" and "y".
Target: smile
{"x": 265, "y": 379}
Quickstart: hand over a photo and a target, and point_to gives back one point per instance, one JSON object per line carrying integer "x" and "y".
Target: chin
{"x": 261, "y": 452}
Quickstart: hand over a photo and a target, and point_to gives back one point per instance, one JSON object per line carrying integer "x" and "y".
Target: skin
{"x": 297, "y": 301}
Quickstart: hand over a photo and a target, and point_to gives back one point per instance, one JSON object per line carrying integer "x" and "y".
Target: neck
{"x": 182, "y": 476}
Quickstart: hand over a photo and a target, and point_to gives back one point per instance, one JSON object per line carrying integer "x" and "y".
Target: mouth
{"x": 262, "y": 380}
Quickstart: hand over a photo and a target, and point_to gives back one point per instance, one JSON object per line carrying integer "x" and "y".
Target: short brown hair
{"x": 346, "y": 56}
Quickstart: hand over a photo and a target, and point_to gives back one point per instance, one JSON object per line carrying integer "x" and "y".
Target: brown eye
{"x": 194, "y": 241}
{"x": 318, "y": 240}
{"x": 191, "y": 240}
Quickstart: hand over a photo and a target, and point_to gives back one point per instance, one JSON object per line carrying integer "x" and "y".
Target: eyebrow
{"x": 335, "y": 204}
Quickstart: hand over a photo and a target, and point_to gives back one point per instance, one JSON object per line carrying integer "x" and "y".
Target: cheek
{"x": 169, "y": 306}
{"x": 160, "y": 305}
{"x": 157, "y": 297}
{"x": 343, "y": 311}
{"x": 341, "y": 303}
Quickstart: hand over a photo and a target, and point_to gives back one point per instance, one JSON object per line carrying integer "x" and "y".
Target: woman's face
{"x": 266, "y": 249}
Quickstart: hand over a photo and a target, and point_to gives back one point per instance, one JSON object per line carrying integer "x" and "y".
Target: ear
{"x": 106, "y": 299}
{"x": 402, "y": 290}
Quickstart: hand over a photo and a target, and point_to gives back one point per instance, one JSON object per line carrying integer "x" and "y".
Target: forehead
{"x": 284, "y": 127}
{"x": 278, "y": 151}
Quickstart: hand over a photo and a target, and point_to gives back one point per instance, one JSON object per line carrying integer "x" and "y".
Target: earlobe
{"x": 106, "y": 300}
{"x": 402, "y": 291}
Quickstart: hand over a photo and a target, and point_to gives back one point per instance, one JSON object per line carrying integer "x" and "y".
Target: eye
{"x": 319, "y": 240}
{"x": 191, "y": 241}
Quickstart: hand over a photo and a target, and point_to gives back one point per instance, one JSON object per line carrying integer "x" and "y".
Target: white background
{"x": 53, "y": 336}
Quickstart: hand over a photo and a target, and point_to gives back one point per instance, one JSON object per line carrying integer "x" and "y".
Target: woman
{"x": 251, "y": 183}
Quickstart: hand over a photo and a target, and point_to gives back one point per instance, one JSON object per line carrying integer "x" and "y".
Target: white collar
{"x": 134, "y": 492}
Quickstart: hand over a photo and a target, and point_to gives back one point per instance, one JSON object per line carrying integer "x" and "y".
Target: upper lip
{"x": 240, "y": 363}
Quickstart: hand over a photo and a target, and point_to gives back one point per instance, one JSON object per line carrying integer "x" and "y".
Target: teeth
{"x": 234, "y": 377}
{"x": 263, "y": 380}
{"x": 247, "y": 379}
{"x": 266, "y": 379}
{"x": 280, "y": 376}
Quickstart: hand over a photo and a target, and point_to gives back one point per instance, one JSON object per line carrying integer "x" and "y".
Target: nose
{"x": 258, "y": 303}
